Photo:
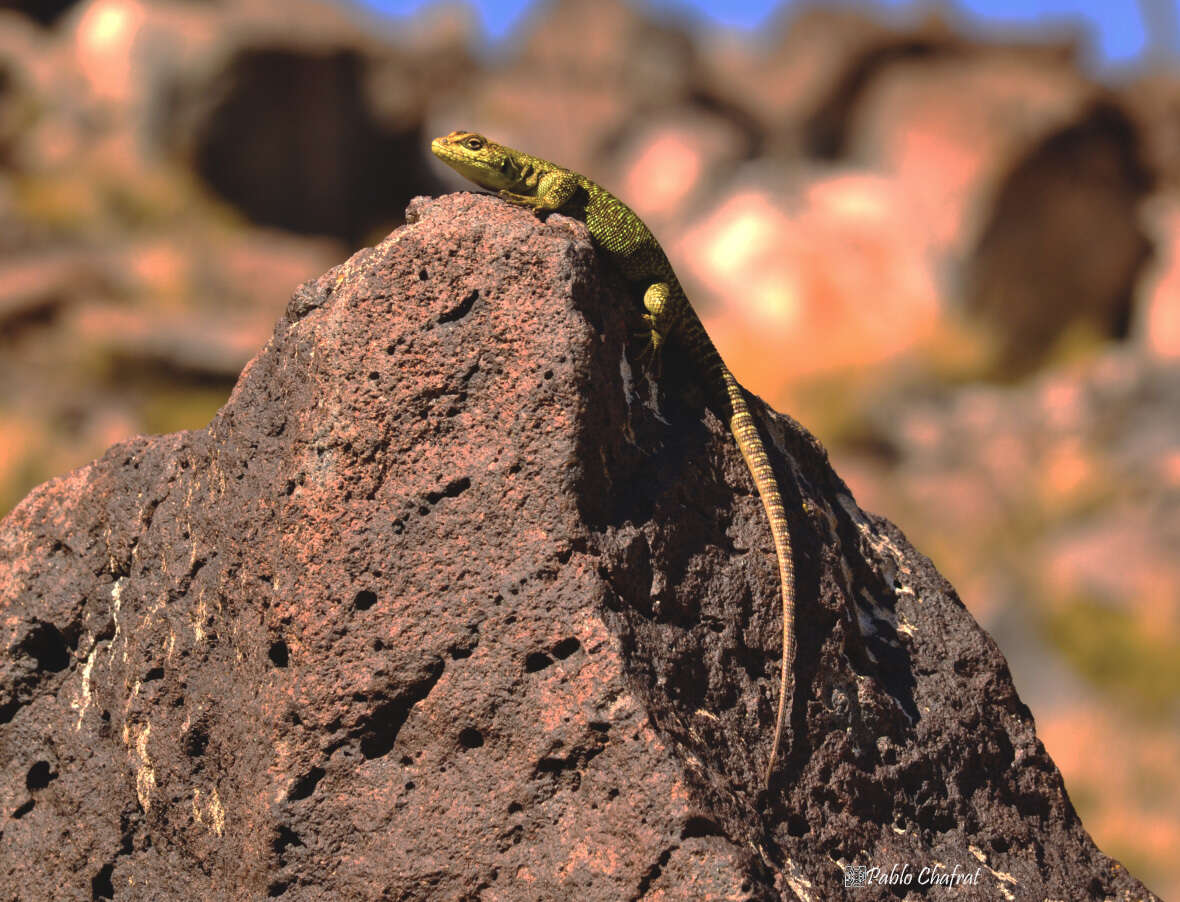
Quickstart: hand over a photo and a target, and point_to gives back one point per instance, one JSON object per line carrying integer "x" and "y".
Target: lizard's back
{"x": 623, "y": 235}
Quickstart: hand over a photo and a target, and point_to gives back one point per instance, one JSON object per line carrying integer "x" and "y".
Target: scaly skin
{"x": 544, "y": 186}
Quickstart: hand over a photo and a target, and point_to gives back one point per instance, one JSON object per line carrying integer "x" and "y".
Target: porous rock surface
{"x": 450, "y": 601}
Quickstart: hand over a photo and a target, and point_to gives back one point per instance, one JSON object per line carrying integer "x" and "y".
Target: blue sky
{"x": 1117, "y": 30}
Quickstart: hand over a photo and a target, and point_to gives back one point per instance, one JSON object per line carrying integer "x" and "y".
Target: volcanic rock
{"x": 452, "y": 601}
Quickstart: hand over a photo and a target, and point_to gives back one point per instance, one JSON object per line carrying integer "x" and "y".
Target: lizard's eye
{"x": 473, "y": 143}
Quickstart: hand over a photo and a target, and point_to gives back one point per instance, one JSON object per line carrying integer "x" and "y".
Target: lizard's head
{"x": 473, "y": 156}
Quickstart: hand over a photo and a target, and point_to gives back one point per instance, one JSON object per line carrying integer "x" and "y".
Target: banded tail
{"x": 741, "y": 424}
{"x": 725, "y": 391}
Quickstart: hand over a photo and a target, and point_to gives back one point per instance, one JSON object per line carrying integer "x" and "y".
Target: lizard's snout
{"x": 443, "y": 148}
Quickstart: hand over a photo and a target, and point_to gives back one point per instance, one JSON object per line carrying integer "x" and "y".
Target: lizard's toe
{"x": 649, "y": 351}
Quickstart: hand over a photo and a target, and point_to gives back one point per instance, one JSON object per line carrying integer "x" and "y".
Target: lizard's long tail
{"x": 741, "y": 423}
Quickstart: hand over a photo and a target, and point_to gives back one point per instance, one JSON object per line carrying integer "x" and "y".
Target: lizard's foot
{"x": 519, "y": 199}
{"x": 653, "y": 343}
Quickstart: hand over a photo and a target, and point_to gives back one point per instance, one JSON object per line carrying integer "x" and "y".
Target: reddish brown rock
{"x": 1033, "y": 189}
{"x": 1064, "y": 245}
{"x": 445, "y": 604}
{"x": 1152, "y": 99}
{"x": 1157, "y": 325}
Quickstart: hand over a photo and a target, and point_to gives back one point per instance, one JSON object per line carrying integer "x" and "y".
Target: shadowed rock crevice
{"x": 230, "y": 125}
{"x": 1064, "y": 246}
{"x": 263, "y": 670}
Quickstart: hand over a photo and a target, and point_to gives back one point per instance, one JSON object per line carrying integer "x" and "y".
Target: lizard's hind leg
{"x": 657, "y": 301}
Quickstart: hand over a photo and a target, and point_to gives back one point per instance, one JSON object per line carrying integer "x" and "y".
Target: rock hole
{"x": 380, "y": 728}
{"x": 410, "y": 784}
{"x": 461, "y": 309}
{"x": 700, "y": 826}
{"x": 286, "y": 837}
{"x": 453, "y": 489}
{"x": 471, "y": 738}
{"x": 23, "y": 810}
{"x": 8, "y": 711}
{"x": 306, "y": 784}
{"x": 48, "y": 646}
{"x": 39, "y": 776}
{"x": 100, "y": 884}
{"x": 278, "y": 888}
{"x": 654, "y": 871}
{"x": 156, "y": 673}
{"x": 423, "y": 275}
{"x": 279, "y": 654}
{"x": 364, "y": 600}
{"x": 374, "y": 375}
{"x": 515, "y": 808}
{"x": 538, "y": 660}
{"x": 566, "y": 647}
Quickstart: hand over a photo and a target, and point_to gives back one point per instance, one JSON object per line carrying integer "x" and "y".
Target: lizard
{"x": 618, "y": 231}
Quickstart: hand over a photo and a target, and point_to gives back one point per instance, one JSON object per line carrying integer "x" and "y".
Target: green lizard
{"x": 543, "y": 186}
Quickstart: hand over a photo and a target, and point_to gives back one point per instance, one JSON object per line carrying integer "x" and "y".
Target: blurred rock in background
{"x": 955, "y": 258}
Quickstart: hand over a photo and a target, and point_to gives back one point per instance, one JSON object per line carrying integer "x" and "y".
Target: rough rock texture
{"x": 448, "y": 602}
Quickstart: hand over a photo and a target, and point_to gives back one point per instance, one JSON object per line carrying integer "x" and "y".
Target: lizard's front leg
{"x": 553, "y": 190}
